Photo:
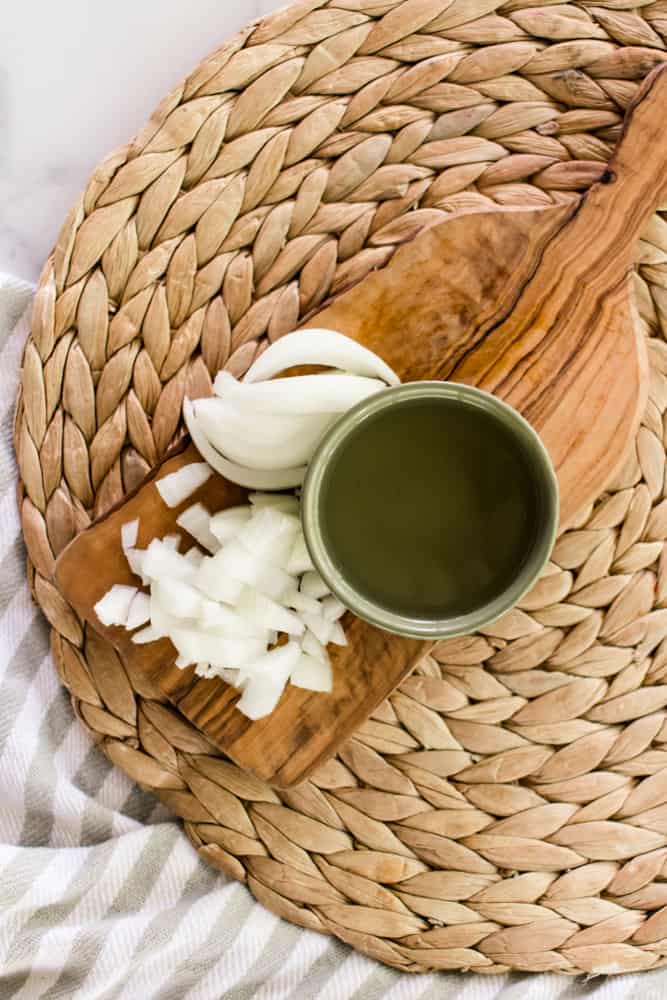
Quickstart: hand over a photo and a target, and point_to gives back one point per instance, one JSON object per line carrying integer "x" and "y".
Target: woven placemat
{"x": 507, "y": 808}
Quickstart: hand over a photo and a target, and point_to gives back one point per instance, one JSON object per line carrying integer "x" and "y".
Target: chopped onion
{"x": 311, "y": 645}
{"x": 129, "y": 533}
{"x": 196, "y": 521}
{"x": 216, "y": 617}
{"x": 226, "y": 524}
{"x": 202, "y": 648}
{"x": 301, "y": 394}
{"x": 214, "y": 584}
{"x": 299, "y": 560}
{"x": 338, "y": 637}
{"x": 286, "y": 502}
{"x": 146, "y": 635}
{"x": 332, "y": 609}
{"x": 177, "y": 598}
{"x": 114, "y": 607}
{"x": 140, "y": 611}
{"x": 258, "y": 608}
{"x": 179, "y": 485}
{"x": 312, "y": 674}
{"x": 161, "y": 562}
{"x": 271, "y": 535}
{"x": 276, "y": 665}
{"x": 275, "y": 583}
{"x": 236, "y": 561}
{"x": 320, "y": 628}
{"x": 173, "y": 541}
{"x": 259, "y": 698}
{"x": 135, "y": 560}
{"x": 299, "y": 601}
{"x": 256, "y": 479}
{"x": 313, "y": 585}
{"x": 319, "y": 347}
{"x": 194, "y": 556}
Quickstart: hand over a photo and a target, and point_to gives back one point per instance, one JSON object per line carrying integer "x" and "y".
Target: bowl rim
{"x": 369, "y": 610}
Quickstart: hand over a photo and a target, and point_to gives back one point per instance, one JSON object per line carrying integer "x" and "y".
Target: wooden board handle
{"x": 635, "y": 182}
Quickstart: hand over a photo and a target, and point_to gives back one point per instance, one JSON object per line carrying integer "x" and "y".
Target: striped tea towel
{"x": 101, "y": 895}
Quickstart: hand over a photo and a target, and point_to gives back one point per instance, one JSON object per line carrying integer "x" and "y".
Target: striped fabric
{"x": 101, "y": 895}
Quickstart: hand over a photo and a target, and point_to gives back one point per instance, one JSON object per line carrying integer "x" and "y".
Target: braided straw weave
{"x": 507, "y": 807}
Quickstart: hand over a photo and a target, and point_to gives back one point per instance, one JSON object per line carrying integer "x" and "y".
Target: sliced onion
{"x": 179, "y": 485}
{"x": 129, "y": 533}
{"x": 114, "y": 607}
{"x": 140, "y": 611}
{"x": 196, "y": 521}
{"x": 263, "y": 441}
{"x": 301, "y": 394}
{"x": 319, "y": 347}
{"x": 255, "y": 479}
{"x": 312, "y": 674}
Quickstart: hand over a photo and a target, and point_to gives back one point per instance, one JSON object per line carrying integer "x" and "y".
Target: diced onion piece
{"x": 299, "y": 560}
{"x": 313, "y": 585}
{"x": 236, "y": 561}
{"x": 320, "y": 628}
{"x": 129, "y": 533}
{"x": 312, "y": 674}
{"x": 196, "y": 521}
{"x": 286, "y": 502}
{"x": 182, "y": 662}
{"x": 275, "y": 583}
{"x": 301, "y": 394}
{"x": 204, "y": 670}
{"x": 311, "y": 645}
{"x": 172, "y": 541}
{"x": 338, "y": 637}
{"x": 226, "y": 524}
{"x": 135, "y": 560}
{"x": 146, "y": 635}
{"x": 319, "y": 347}
{"x": 194, "y": 556}
{"x": 162, "y": 620}
{"x": 177, "y": 598}
{"x": 179, "y": 485}
{"x": 140, "y": 611}
{"x": 268, "y": 441}
{"x": 259, "y": 698}
{"x": 161, "y": 562}
{"x": 215, "y": 584}
{"x": 216, "y": 617}
{"x": 275, "y": 666}
{"x": 201, "y": 647}
{"x": 303, "y": 602}
{"x": 332, "y": 608}
{"x": 258, "y": 608}
{"x": 270, "y": 535}
{"x": 114, "y": 607}
{"x": 256, "y": 479}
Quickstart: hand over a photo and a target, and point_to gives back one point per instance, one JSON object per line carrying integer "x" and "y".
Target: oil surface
{"x": 430, "y": 508}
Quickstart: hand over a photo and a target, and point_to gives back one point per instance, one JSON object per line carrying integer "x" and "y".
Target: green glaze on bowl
{"x": 443, "y": 522}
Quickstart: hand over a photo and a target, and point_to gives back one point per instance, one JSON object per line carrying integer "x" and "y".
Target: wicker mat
{"x": 507, "y": 808}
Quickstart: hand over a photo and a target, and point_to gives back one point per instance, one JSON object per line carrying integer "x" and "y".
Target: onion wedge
{"x": 254, "y": 479}
{"x": 320, "y": 347}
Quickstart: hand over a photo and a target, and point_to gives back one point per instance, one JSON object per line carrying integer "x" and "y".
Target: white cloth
{"x": 102, "y": 896}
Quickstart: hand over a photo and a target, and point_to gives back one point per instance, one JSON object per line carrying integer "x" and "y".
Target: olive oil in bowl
{"x": 430, "y": 508}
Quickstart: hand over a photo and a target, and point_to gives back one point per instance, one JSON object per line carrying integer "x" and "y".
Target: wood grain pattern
{"x": 532, "y": 305}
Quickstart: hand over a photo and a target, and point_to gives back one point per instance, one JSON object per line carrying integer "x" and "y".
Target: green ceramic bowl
{"x": 429, "y": 625}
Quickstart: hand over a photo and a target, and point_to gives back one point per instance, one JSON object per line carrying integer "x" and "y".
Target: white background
{"x": 77, "y": 79}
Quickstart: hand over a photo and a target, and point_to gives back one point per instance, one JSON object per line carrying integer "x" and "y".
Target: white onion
{"x": 135, "y": 560}
{"x": 140, "y": 611}
{"x": 161, "y": 562}
{"x": 313, "y": 585}
{"x": 337, "y": 636}
{"x": 311, "y": 645}
{"x": 269, "y": 441}
{"x": 319, "y": 347}
{"x": 177, "y": 598}
{"x": 312, "y": 674}
{"x": 216, "y": 617}
{"x": 332, "y": 609}
{"x": 270, "y": 535}
{"x": 114, "y": 607}
{"x": 179, "y": 485}
{"x": 146, "y": 635}
{"x": 299, "y": 561}
{"x": 255, "y": 479}
{"x": 320, "y": 628}
{"x": 275, "y": 583}
{"x": 259, "y": 698}
{"x": 299, "y": 601}
{"x": 129, "y": 533}
{"x": 225, "y": 525}
{"x": 286, "y": 502}
{"x": 196, "y": 521}
{"x": 172, "y": 541}
{"x": 301, "y": 394}
{"x": 194, "y": 556}
{"x": 262, "y": 610}
{"x": 200, "y": 647}
{"x": 214, "y": 584}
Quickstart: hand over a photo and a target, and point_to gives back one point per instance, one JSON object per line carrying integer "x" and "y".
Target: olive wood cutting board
{"x": 532, "y": 305}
